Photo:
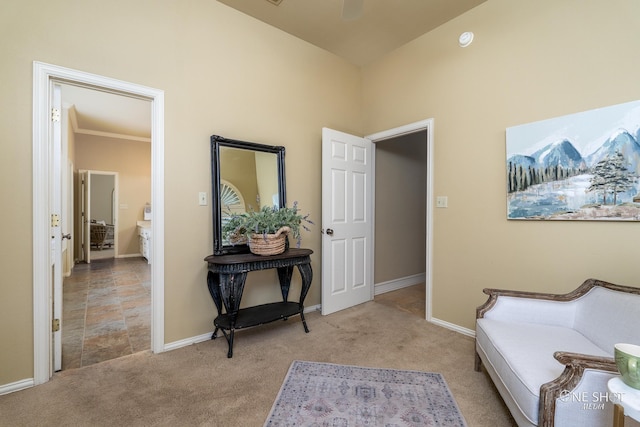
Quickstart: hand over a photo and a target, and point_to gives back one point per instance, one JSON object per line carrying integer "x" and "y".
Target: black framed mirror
{"x": 244, "y": 175}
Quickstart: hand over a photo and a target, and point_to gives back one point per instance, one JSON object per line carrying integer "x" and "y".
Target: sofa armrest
{"x": 575, "y": 365}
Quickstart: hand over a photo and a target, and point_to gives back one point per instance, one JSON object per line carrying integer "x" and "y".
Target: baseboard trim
{"x": 316, "y": 307}
{"x": 206, "y": 337}
{"x": 16, "y": 386}
{"x": 394, "y": 285}
{"x": 453, "y": 327}
{"x": 187, "y": 341}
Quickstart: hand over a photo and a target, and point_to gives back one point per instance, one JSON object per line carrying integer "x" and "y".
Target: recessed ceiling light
{"x": 465, "y": 39}
{"x": 276, "y": 2}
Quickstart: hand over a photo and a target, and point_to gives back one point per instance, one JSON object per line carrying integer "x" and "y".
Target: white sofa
{"x": 551, "y": 356}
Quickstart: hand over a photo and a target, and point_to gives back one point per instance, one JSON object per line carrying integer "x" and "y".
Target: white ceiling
{"x": 107, "y": 114}
{"x": 383, "y": 26}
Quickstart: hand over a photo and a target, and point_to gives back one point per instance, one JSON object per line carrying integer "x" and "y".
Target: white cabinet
{"x": 144, "y": 238}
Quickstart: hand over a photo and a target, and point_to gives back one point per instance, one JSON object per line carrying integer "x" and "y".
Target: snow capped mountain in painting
{"x": 522, "y": 160}
{"x": 561, "y": 160}
{"x": 561, "y": 153}
{"x": 623, "y": 142}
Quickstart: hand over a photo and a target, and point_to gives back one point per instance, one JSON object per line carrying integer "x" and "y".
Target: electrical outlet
{"x": 442, "y": 201}
{"x": 202, "y": 198}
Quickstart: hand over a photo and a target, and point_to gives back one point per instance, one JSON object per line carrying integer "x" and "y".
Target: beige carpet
{"x": 199, "y": 386}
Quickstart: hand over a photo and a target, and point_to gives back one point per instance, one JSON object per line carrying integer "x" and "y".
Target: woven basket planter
{"x": 269, "y": 244}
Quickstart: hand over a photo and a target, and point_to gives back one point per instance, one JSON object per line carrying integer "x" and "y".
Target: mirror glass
{"x": 245, "y": 176}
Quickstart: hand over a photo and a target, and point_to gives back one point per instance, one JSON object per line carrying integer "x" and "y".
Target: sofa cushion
{"x": 522, "y": 356}
{"x": 605, "y": 316}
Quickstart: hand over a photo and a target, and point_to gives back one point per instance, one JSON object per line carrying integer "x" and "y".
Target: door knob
{"x": 329, "y": 231}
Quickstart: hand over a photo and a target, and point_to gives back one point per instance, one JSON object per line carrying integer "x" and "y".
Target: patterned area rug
{"x": 323, "y": 394}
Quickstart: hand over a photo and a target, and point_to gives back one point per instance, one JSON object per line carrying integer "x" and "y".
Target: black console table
{"x": 226, "y": 278}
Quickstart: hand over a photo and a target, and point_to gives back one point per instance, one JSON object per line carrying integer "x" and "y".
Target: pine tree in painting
{"x": 611, "y": 176}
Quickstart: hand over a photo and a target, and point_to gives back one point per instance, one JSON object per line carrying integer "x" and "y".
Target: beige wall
{"x": 266, "y": 171}
{"x": 530, "y": 61}
{"x": 400, "y": 210}
{"x": 238, "y": 167}
{"x": 132, "y": 161}
{"x": 223, "y": 73}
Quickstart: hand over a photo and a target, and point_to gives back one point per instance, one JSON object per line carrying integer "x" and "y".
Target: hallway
{"x": 410, "y": 299}
{"x": 106, "y": 311}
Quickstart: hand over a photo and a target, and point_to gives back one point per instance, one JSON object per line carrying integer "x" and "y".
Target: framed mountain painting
{"x": 583, "y": 166}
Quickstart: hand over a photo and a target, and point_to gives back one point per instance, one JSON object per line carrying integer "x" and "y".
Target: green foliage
{"x": 267, "y": 220}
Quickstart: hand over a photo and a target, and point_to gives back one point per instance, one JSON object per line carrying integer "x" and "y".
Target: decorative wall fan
{"x": 351, "y": 9}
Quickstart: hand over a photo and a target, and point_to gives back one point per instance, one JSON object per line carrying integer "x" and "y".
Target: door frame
{"x": 43, "y": 77}
{"x": 427, "y": 126}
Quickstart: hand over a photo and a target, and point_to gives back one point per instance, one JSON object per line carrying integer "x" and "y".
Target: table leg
{"x": 230, "y": 341}
{"x": 307, "y": 275}
{"x": 213, "y": 283}
{"x": 231, "y": 287}
{"x": 618, "y": 415}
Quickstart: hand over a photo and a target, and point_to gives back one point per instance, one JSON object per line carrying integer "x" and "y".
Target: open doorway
{"x": 400, "y": 220}
{"x": 107, "y": 295}
{"x": 417, "y": 140}
{"x": 46, "y": 231}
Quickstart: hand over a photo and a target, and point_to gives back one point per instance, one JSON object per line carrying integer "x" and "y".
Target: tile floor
{"x": 106, "y": 311}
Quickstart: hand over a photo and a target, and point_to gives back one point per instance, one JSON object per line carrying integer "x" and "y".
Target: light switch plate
{"x": 202, "y": 198}
{"x": 442, "y": 201}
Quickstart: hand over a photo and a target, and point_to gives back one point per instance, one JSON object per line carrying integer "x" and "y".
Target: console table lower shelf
{"x": 226, "y": 278}
{"x": 256, "y": 316}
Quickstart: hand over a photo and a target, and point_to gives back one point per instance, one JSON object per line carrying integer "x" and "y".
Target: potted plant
{"x": 266, "y": 230}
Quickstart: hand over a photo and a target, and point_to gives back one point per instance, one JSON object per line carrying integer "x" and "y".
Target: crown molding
{"x": 73, "y": 116}
{"x": 111, "y": 135}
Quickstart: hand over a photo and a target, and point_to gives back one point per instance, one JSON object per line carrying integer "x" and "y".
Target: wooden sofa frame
{"x": 575, "y": 363}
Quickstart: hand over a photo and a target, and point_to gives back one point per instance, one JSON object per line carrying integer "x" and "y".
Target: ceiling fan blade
{"x": 351, "y": 9}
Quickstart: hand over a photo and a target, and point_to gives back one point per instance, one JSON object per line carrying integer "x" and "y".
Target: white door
{"x": 85, "y": 214}
{"x": 55, "y": 203}
{"x": 347, "y": 220}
